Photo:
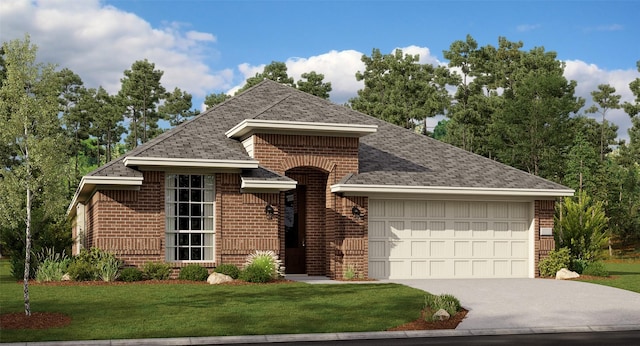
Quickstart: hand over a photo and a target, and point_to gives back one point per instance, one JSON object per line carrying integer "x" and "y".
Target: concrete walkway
{"x": 496, "y": 307}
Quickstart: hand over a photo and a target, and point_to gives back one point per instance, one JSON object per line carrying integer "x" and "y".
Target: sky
{"x": 211, "y": 46}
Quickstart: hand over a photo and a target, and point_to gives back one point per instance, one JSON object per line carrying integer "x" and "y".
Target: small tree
{"x": 582, "y": 227}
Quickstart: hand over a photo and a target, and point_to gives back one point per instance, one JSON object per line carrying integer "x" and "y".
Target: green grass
{"x": 176, "y": 310}
{"x": 624, "y": 274}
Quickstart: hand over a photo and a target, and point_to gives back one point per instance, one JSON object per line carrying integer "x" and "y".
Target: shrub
{"x": 433, "y": 303}
{"x": 262, "y": 266}
{"x": 52, "y": 265}
{"x": 108, "y": 267}
{"x": 228, "y": 269}
{"x": 581, "y": 227}
{"x": 193, "y": 272}
{"x": 556, "y": 260}
{"x": 578, "y": 265}
{"x": 256, "y": 273}
{"x": 82, "y": 271}
{"x": 156, "y": 271}
{"x": 350, "y": 273}
{"x": 595, "y": 269}
{"x": 130, "y": 274}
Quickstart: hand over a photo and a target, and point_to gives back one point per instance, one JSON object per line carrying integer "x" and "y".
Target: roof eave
{"x": 249, "y": 126}
{"x": 255, "y": 185}
{"x": 358, "y": 189}
{"x": 89, "y": 183}
{"x": 134, "y": 161}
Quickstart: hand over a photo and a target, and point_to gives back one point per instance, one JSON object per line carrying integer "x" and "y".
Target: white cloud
{"x": 527, "y": 27}
{"x": 99, "y": 42}
{"x": 589, "y": 76}
{"x": 338, "y": 67}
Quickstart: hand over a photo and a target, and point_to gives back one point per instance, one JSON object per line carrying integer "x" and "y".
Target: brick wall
{"x": 318, "y": 162}
{"x": 129, "y": 223}
{"x": 544, "y": 212}
{"x": 241, "y": 223}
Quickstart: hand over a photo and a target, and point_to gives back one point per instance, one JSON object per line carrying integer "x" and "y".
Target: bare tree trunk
{"x": 27, "y": 255}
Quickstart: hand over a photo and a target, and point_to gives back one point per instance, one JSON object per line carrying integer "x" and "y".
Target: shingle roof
{"x": 391, "y": 156}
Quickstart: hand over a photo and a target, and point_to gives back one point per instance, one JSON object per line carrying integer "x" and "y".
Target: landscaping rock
{"x": 66, "y": 277}
{"x": 217, "y": 278}
{"x": 565, "y": 273}
{"x": 441, "y": 315}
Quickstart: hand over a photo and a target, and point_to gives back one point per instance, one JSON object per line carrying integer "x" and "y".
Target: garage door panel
{"x": 419, "y": 249}
{"x": 445, "y": 239}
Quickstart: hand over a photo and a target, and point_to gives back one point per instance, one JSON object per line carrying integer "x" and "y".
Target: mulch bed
{"x": 422, "y": 324}
{"x": 37, "y": 320}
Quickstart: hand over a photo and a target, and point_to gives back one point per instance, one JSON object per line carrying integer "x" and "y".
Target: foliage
{"x": 228, "y": 269}
{"x": 596, "y": 269}
{"x": 214, "y": 99}
{"x": 82, "y": 271}
{"x": 32, "y": 137}
{"x": 582, "y": 168}
{"x": 130, "y": 274}
{"x": 556, "y": 260}
{"x": 108, "y": 267}
{"x": 94, "y": 264}
{"x": 177, "y": 107}
{"x": 400, "y": 90}
{"x": 156, "y": 271}
{"x": 311, "y": 82}
{"x": 141, "y": 92}
{"x": 193, "y": 272}
{"x": 350, "y": 273}
{"x": 433, "y": 303}
{"x": 52, "y": 266}
{"x": 605, "y": 100}
{"x": 582, "y": 227}
{"x": 262, "y": 266}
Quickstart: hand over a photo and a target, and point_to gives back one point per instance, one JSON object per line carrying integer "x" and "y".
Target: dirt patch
{"x": 422, "y": 324}
{"x": 37, "y": 320}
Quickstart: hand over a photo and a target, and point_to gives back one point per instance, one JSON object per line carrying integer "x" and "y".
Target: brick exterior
{"x": 317, "y": 162}
{"x": 544, "y": 212}
{"x": 131, "y": 223}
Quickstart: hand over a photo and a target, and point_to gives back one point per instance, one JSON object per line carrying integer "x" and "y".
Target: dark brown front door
{"x": 295, "y": 232}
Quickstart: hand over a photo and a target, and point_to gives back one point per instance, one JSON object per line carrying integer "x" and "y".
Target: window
{"x": 189, "y": 205}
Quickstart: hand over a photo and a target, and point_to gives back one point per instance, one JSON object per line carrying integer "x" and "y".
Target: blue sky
{"x": 213, "y": 46}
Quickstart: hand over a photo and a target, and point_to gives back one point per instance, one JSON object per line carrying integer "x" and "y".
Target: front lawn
{"x": 178, "y": 310}
{"x": 624, "y": 274}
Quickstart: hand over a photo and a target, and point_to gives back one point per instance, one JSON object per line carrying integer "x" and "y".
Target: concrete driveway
{"x": 536, "y": 303}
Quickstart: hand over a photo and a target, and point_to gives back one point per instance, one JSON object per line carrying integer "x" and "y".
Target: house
{"x": 327, "y": 188}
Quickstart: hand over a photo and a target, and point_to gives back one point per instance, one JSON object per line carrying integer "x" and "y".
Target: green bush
{"x": 228, "y": 269}
{"x": 108, "y": 267}
{"x": 350, "y": 273}
{"x": 52, "y": 266}
{"x": 262, "y": 266}
{"x": 581, "y": 227}
{"x": 595, "y": 269}
{"x": 156, "y": 271}
{"x": 193, "y": 272}
{"x": 130, "y": 274}
{"x": 578, "y": 265}
{"x": 556, "y": 260}
{"x": 82, "y": 271}
{"x": 433, "y": 303}
{"x": 257, "y": 273}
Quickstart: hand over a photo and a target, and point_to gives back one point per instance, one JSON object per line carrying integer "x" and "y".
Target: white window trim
{"x": 170, "y": 254}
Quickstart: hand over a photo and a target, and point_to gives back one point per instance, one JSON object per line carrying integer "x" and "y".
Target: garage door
{"x": 448, "y": 239}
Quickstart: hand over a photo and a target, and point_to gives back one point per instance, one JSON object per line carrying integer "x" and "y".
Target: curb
{"x": 254, "y": 339}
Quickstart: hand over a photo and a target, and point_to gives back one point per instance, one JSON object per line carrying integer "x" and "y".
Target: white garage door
{"x": 448, "y": 239}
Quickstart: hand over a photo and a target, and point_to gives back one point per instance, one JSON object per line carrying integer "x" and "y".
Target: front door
{"x": 295, "y": 232}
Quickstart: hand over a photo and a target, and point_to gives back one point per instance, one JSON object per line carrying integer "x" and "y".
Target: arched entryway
{"x": 305, "y": 222}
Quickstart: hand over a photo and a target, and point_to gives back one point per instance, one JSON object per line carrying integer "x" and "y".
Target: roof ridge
{"x": 272, "y": 105}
